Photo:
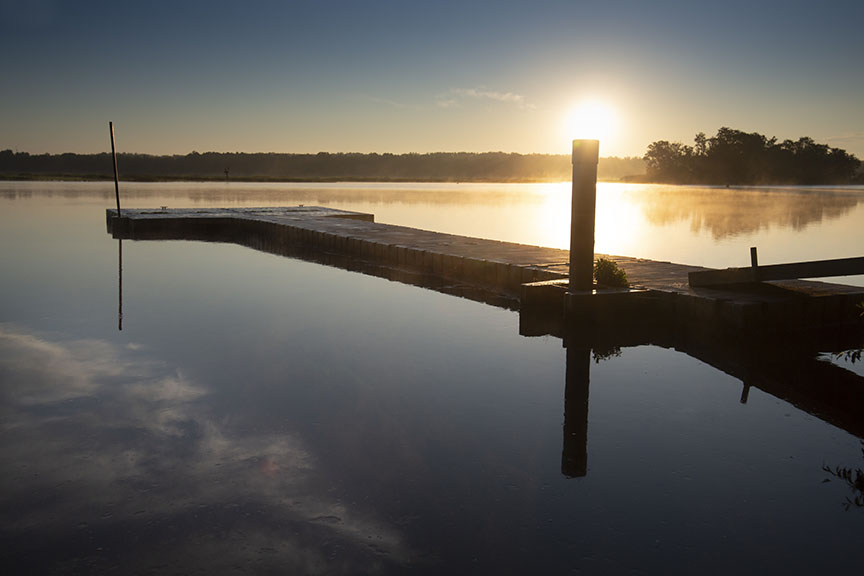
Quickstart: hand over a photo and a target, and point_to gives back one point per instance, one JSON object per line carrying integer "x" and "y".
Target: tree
{"x": 738, "y": 157}
{"x": 669, "y": 162}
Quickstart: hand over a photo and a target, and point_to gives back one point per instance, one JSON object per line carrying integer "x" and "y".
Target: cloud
{"x": 39, "y": 372}
{"x": 846, "y": 139}
{"x": 457, "y": 95}
{"x": 389, "y": 103}
{"x": 124, "y": 443}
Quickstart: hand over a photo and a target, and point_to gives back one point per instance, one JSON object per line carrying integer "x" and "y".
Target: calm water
{"x": 259, "y": 414}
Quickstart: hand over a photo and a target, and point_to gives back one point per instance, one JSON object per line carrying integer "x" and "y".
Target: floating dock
{"x": 530, "y": 278}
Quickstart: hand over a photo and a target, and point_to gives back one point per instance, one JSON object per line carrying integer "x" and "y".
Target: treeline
{"x": 736, "y": 157}
{"x": 461, "y": 166}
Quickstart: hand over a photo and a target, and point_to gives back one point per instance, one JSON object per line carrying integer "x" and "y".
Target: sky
{"x": 425, "y": 76}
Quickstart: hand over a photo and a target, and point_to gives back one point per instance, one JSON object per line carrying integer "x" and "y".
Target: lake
{"x": 261, "y": 414}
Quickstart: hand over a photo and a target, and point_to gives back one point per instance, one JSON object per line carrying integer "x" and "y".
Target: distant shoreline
{"x": 320, "y": 167}
{"x": 636, "y": 179}
{"x": 335, "y": 179}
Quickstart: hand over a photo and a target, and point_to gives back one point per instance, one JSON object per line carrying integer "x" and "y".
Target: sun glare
{"x": 591, "y": 119}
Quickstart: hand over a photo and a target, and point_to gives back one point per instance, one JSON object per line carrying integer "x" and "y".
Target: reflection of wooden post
{"x": 574, "y": 455}
{"x": 582, "y": 208}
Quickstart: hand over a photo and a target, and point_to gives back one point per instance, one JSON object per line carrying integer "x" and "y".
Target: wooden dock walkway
{"x": 533, "y": 277}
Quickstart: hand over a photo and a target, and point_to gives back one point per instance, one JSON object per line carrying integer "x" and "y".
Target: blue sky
{"x": 409, "y": 76}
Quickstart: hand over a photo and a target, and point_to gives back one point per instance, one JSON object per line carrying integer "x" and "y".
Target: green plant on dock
{"x": 607, "y": 273}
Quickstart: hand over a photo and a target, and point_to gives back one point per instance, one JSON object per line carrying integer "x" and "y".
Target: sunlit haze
{"x": 404, "y": 76}
{"x": 594, "y": 120}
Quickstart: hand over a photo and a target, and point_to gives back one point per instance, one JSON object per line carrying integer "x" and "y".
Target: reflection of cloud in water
{"x": 732, "y": 212}
{"x": 107, "y": 457}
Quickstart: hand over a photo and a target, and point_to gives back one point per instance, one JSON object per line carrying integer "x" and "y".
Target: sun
{"x": 591, "y": 120}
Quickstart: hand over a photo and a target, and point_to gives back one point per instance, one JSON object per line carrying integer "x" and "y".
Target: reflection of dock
{"x": 791, "y": 372}
{"x": 531, "y": 277}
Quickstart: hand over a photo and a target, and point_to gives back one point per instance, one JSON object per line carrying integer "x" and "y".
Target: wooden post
{"x": 116, "y": 180}
{"x": 754, "y": 258}
{"x": 582, "y": 209}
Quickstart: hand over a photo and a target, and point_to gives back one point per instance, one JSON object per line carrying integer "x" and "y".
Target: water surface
{"x": 259, "y": 414}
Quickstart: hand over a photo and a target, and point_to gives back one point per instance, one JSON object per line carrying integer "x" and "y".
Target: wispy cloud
{"x": 387, "y": 102}
{"x": 456, "y": 96}
{"x": 847, "y": 138}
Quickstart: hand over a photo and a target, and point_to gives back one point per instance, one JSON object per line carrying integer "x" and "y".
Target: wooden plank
{"x": 791, "y": 271}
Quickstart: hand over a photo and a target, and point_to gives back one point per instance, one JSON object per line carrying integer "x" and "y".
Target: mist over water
{"x": 707, "y": 226}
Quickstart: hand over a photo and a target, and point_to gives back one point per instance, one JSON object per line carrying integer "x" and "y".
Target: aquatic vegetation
{"x": 854, "y": 479}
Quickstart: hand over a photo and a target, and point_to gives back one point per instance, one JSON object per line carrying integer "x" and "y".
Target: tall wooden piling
{"x": 582, "y": 209}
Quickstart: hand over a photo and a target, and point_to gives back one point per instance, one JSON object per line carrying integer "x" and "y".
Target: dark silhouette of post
{"x": 582, "y": 208}
{"x": 574, "y": 453}
{"x": 116, "y": 180}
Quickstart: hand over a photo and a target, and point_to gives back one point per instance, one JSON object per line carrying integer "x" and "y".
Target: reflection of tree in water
{"x": 277, "y": 194}
{"x": 854, "y": 479}
{"x": 731, "y": 212}
{"x": 445, "y": 194}
{"x": 851, "y": 356}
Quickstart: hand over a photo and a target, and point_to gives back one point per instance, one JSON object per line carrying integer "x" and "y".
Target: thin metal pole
{"x": 116, "y": 180}
{"x": 582, "y": 209}
{"x": 120, "y": 285}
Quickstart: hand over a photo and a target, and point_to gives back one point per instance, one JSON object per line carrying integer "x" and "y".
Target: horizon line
{"x": 16, "y": 151}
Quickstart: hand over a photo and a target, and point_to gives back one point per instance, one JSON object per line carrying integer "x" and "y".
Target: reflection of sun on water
{"x": 553, "y": 226}
{"x": 617, "y": 226}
